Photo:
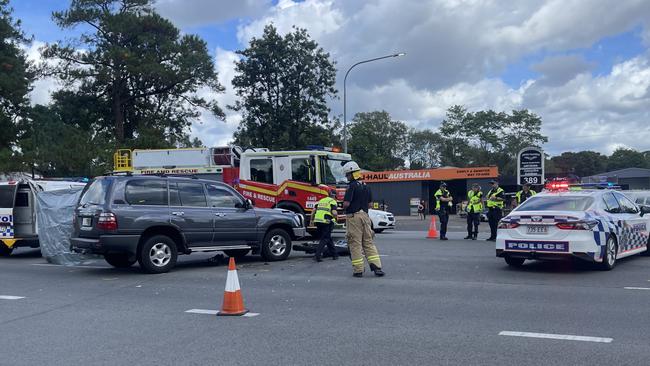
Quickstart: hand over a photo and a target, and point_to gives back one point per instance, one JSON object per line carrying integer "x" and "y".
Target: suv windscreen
{"x": 95, "y": 193}
{"x": 146, "y": 192}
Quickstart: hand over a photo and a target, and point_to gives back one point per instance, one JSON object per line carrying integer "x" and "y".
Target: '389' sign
{"x": 530, "y": 166}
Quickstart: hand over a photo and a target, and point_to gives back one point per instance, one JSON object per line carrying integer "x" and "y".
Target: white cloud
{"x": 201, "y": 12}
{"x": 319, "y": 17}
{"x": 43, "y": 87}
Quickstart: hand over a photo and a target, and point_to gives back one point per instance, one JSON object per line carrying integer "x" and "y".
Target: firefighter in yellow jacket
{"x": 325, "y": 218}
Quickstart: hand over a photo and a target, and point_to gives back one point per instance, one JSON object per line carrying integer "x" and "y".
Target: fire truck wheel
{"x": 5, "y": 251}
{"x": 276, "y": 245}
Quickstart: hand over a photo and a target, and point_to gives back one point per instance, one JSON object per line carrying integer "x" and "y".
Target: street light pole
{"x": 345, "y": 79}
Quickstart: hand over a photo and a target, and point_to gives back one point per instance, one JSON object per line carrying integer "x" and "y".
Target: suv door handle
{"x": 219, "y": 214}
{"x": 178, "y": 213}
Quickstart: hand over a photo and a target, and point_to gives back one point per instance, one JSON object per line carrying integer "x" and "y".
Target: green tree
{"x": 284, "y": 83}
{"x": 582, "y": 163}
{"x": 423, "y": 149}
{"x": 138, "y": 68}
{"x": 16, "y": 77}
{"x": 488, "y": 137}
{"x": 626, "y": 158}
{"x": 376, "y": 141}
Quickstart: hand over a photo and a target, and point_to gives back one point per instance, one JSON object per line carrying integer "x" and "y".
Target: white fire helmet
{"x": 350, "y": 167}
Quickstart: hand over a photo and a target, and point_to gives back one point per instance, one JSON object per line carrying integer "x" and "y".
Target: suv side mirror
{"x": 249, "y": 204}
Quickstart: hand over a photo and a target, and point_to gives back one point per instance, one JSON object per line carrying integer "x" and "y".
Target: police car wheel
{"x": 609, "y": 260}
{"x": 276, "y": 245}
{"x": 5, "y": 251}
{"x": 378, "y": 231}
{"x": 515, "y": 262}
{"x": 158, "y": 254}
{"x": 119, "y": 260}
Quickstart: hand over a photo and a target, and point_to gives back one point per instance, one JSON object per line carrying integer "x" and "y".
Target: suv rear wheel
{"x": 276, "y": 245}
{"x": 119, "y": 260}
{"x": 158, "y": 254}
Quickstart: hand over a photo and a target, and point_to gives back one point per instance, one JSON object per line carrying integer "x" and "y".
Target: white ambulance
{"x": 18, "y": 205}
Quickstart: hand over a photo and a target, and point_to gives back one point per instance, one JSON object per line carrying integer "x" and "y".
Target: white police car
{"x": 595, "y": 225}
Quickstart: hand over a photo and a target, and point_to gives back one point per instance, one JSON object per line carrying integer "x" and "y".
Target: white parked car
{"x": 600, "y": 226}
{"x": 381, "y": 220}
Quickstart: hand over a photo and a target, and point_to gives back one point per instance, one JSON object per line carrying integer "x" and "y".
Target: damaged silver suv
{"x": 152, "y": 220}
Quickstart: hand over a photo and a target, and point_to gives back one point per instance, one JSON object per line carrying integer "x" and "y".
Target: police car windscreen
{"x": 7, "y": 195}
{"x": 550, "y": 203}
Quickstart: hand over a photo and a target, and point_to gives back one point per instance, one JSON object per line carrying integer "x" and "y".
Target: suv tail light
{"x": 578, "y": 225}
{"x": 107, "y": 221}
{"x": 508, "y": 225}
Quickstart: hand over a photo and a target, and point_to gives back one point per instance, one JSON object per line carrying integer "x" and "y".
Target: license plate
{"x": 86, "y": 221}
{"x": 537, "y": 230}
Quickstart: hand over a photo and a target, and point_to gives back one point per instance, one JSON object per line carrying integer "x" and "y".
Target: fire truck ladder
{"x": 122, "y": 161}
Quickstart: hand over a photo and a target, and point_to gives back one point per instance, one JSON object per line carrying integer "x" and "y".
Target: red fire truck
{"x": 292, "y": 180}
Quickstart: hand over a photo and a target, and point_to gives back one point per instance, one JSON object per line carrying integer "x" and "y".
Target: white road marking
{"x": 564, "y": 337}
{"x": 637, "y": 288}
{"x": 60, "y": 265}
{"x": 7, "y": 297}
{"x": 215, "y": 312}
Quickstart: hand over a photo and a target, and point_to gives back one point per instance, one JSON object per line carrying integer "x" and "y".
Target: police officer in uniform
{"x": 325, "y": 218}
{"x": 359, "y": 227}
{"x": 474, "y": 210}
{"x": 443, "y": 206}
{"x": 495, "y": 203}
{"x": 524, "y": 194}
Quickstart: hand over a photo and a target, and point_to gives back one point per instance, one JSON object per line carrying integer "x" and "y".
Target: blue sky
{"x": 583, "y": 66}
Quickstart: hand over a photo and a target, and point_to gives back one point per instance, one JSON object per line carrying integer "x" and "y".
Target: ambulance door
{"x": 24, "y": 212}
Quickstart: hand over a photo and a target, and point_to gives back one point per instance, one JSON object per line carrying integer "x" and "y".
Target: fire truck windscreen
{"x": 333, "y": 171}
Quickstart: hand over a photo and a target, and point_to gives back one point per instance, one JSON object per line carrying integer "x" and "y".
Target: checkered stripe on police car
{"x": 629, "y": 237}
{"x": 8, "y": 234}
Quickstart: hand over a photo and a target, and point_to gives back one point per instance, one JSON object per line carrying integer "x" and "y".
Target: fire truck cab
{"x": 292, "y": 180}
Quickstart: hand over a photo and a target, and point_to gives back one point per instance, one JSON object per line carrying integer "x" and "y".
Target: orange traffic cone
{"x": 433, "y": 232}
{"x": 233, "y": 302}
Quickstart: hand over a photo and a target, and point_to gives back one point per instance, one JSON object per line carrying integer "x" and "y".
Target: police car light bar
{"x": 608, "y": 185}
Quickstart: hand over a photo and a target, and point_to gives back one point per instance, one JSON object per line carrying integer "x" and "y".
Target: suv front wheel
{"x": 276, "y": 245}
{"x": 158, "y": 254}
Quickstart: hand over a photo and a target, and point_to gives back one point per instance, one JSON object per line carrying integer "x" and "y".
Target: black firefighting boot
{"x": 469, "y": 236}
{"x": 377, "y": 270}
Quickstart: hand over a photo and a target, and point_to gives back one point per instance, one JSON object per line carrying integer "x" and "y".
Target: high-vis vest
{"x": 440, "y": 193}
{"x": 475, "y": 205}
{"x": 324, "y": 210}
{"x": 520, "y": 193}
{"x": 495, "y": 204}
